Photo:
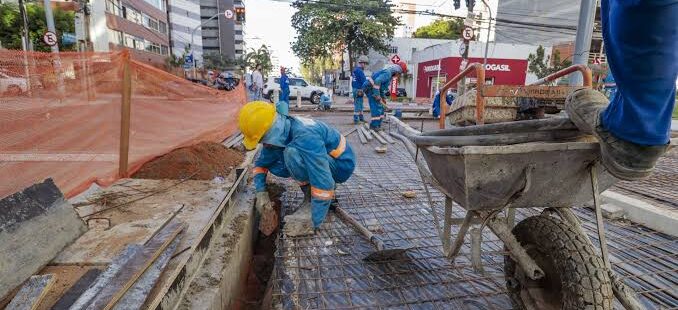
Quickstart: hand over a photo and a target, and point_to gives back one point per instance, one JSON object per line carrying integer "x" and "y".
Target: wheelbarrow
{"x": 491, "y": 170}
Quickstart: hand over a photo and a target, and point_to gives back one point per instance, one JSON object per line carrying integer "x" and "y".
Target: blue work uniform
{"x": 449, "y": 98}
{"x": 283, "y": 105}
{"x": 309, "y": 151}
{"x": 359, "y": 79}
{"x": 379, "y": 90}
{"x": 325, "y": 102}
{"x": 644, "y": 62}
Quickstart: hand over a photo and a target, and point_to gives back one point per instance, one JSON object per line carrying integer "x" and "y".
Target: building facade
{"x": 184, "y": 17}
{"x": 506, "y": 64}
{"x": 138, "y": 25}
{"x": 221, "y": 35}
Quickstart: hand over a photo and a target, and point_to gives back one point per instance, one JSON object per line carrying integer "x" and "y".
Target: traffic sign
{"x": 229, "y": 14}
{"x": 395, "y": 59}
{"x": 467, "y": 33}
{"x": 50, "y": 38}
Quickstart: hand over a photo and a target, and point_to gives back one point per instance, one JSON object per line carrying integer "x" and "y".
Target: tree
{"x": 260, "y": 56}
{"x": 332, "y": 26}
{"x": 313, "y": 71}
{"x": 218, "y": 61}
{"x": 541, "y": 66}
{"x": 11, "y": 25}
{"x": 449, "y": 29}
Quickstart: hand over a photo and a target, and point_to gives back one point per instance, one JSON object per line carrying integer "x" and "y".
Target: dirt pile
{"x": 202, "y": 161}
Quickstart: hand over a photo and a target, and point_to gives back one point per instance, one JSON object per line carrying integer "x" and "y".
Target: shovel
{"x": 385, "y": 250}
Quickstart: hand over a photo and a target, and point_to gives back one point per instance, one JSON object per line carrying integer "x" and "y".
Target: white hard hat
{"x": 364, "y": 59}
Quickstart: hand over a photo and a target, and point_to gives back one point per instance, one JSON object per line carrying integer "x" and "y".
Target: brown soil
{"x": 202, "y": 161}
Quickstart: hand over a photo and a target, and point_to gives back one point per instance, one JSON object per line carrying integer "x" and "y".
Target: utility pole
{"x": 582, "y": 43}
{"x": 25, "y": 45}
{"x": 50, "y": 23}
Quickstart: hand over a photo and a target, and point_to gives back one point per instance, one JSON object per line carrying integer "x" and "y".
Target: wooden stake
{"x": 125, "y": 116}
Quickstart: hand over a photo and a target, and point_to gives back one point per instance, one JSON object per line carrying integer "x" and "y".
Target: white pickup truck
{"x": 308, "y": 92}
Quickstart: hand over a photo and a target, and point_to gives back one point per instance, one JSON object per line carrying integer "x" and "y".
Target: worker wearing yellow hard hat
{"x": 311, "y": 152}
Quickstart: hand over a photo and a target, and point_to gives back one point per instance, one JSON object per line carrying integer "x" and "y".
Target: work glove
{"x": 269, "y": 217}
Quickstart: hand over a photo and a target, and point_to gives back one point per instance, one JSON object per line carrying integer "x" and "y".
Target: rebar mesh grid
{"x": 326, "y": 271}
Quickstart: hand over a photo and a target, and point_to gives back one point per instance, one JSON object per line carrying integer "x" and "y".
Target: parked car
{"x": 308, "y": 92}
{"x": 12, "y": 84}
{"x": 401, "y": 92}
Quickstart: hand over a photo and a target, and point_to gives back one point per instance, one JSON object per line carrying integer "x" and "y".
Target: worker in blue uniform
{"x": 633, "y": 127}
{"x": 283, "y": 105}
{"x": 311, "y": 152}
{"x": 358, "y": 79}
{"x": 449, "y": 98}
{"x": 376, "y": 90}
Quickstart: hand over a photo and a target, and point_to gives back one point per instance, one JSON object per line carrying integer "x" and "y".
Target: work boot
{"x": 625, "y": 160}
{"x": 299, "y": 223}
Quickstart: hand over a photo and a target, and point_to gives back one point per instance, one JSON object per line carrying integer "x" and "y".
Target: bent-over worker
{"x": 309, "y": 151}
{"x": 376, "y": 90}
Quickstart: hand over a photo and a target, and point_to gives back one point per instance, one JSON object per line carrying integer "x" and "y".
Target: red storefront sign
{"x": 498, "y": 71}
{"x": 394, "y": 88}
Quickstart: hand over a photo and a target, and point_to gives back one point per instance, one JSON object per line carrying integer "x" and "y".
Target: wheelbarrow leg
{"x": 459, "y": 241}
{"x": 624, "y": 294}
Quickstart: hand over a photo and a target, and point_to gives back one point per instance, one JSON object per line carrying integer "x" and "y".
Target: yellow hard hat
{"x": 255, "y": 119}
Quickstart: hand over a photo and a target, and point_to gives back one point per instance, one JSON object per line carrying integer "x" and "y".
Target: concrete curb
{"x": 641, "y": 212}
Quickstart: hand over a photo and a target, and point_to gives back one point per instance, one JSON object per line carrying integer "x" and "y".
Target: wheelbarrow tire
{"x": 575, "y": 275}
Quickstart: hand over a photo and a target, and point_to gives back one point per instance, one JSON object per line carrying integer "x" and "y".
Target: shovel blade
{"x": 392, "y": 250}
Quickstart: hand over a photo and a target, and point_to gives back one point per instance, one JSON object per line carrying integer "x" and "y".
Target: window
{"x": 238, "y": 51}
{"x": 152, "y": 47}
{"x": 238, "y": 41}
{"x": 159, "y": 4}
{"x": 139, "y": 43}
{"x": 133, "y": 15}
{"x": 150, "y": 22}
{"x": 238, "y": 32}
{"x": 394, "y": 49}
{"x": 113, "y": 7}
{"x": 129, "y": 41}
{"x": 162, "y": 27}
{"x": 164, "y": 50}
{"x": 115, "y": 37}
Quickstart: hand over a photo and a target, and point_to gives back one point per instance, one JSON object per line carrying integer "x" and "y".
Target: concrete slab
{"x": 641, "y": 212}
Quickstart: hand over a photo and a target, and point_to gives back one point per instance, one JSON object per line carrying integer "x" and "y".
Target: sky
{"x": 269, "y": 22}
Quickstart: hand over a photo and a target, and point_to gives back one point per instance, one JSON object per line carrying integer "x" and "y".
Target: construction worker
{"x": 634, "y": 128}
{"x": 449, "y": 98}
{"x": 311, "y": 152}
{"x": 358, "y": 79}
{"x": 283, "y": 106}
{"x": 376, "y": 90}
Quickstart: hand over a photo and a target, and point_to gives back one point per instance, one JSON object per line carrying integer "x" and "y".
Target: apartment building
{"x": 184, "y": 17}
{"x": 221, "y": 35}
{"x": 138, "y": 25}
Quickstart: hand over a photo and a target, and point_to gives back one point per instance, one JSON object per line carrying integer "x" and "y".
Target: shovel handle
{"x": 359, "y": 227}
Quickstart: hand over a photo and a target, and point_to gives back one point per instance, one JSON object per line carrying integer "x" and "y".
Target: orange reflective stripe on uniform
{"x": 340, "y": 148}
{"x": 321, "y": 193}
{"x": 258, "y": 170}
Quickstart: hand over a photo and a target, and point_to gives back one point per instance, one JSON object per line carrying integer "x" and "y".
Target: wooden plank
{"x": 31, "y": 293}
{"x": 378, "y": 137}
{"x": 106, "y": 277}
{"x": 361, "y": 136}
{"x": 230, "y": 139}
{"x": 79, "y": 288}
{"x": 35, "y": 224}
{"x": 135, "y": 267}
{"x": 366, "y": 132}
{"x": 100, "y": 246}
{"x": 137, "y": 294}
{"x": 348, "y": 132}
{"x": 387, "y": 137}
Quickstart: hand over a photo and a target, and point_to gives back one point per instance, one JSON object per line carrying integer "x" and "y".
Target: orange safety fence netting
{"x": 60, "y": 117}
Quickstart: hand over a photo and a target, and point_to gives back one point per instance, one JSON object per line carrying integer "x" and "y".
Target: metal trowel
{"x": 385, "y": 250}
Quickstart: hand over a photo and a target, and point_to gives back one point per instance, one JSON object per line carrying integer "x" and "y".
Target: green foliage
{"x": 261, "y": 56}
{"x": 11, "y": 26}
{"x": 313, "y": 71}
{"x": 219, "y": 62}
{"x": 449, "y": 29}
{"x": 335, "y": 25}
{"x": 172, "y": 61}
{"x": 541, "y": 66}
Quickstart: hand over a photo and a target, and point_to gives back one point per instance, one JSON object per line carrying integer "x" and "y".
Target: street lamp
{"x": 226, "y": 13}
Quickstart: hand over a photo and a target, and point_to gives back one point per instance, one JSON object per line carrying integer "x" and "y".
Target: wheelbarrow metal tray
{"x": 536, "y": 174}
